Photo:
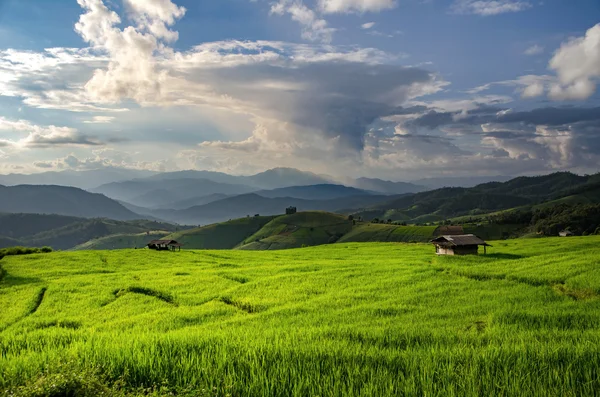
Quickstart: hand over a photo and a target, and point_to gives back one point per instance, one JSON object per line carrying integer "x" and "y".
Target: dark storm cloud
{"x": 337, "y": 98}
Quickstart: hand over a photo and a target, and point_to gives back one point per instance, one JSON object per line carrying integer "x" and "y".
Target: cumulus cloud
{"x": 360, "y": 6}
{"x": 131, "y": 71}
{"x": 577, "y": 65}
{"x": 367, "y": 25}
{"x": 489, "y": 7}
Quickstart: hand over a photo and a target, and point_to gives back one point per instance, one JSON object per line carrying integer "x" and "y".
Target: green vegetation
{"x": 525, "y": 192}
{"x": 336, "y": 320}
{"x": 23, "y": 251}
{"x": 373, "y": 232}
{"x": 63, "y": 232}
{"x": 299, "y": 230}
{"x": 224, "y": 235}
{"x": 121, "y": 241}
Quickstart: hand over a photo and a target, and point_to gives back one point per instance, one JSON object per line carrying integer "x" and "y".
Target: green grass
{"x": 345, "y": 319}
{"x": 373, "y": 232}
{"x": 301, "y": 229}
{"x": 225, "y": 235}
{"x": 121, "y": 241}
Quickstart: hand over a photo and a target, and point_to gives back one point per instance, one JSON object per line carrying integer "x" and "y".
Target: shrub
{"x": 23, "y": 251}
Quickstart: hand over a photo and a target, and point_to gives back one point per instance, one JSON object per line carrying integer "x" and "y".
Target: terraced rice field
{"x": 346, "y": 319}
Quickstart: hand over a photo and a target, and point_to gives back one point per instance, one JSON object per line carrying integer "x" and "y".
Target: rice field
{"x": 374, "y": 319}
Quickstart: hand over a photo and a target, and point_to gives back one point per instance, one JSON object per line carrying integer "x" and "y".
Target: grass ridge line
{"x": 163, "y": 296}
{"x": 39, "y": 298}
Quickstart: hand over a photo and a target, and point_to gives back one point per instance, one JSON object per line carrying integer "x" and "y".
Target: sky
{"x": 393, "y": 89}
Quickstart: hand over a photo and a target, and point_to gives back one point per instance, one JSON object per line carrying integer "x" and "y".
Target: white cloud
{"x": 535, "y": 49}
{"x": 577, "y": 65}
{"x": 313, "y": 27}
{"x": 528, "y": 86}
{"x": 100, "y": 120}
{"x": 360, "y": 6}
{"x": 367, "y": 25}
{"x": 489, "y": 7}
{"x": 43, "y": 136}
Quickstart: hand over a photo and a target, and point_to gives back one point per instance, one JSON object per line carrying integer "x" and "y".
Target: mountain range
{"x": 66, "y": 216}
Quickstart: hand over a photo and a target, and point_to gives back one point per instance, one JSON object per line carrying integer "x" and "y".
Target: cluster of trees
{"x": 582, "y": 219}
{"x": 23, "y": 251}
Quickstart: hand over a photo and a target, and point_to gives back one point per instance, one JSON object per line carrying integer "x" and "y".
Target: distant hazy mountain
{"x": 61, "y": 200}
{"x": 159, "y": 193}
{"x": 218, "y": 177}
{"x": 314, "y": 192}
{"x": 271, "y": 179}
{"x": 285, "y": 177}
{"x": 80, "y": 179}
{"x": 251, "y": 204}
{"x": 387, "y": 187}
{"x": 470, "y": 181}
{"x": 194, "y": 201}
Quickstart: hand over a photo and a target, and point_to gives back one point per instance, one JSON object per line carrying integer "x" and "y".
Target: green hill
{"x": 493, "y": 197}
{"x": 373, "y": 232}
{"x": 121, "y": 241}
{"x": 63, "y": 233}
{"x": 225, "y": 235}
{"x": 301, "y": 229}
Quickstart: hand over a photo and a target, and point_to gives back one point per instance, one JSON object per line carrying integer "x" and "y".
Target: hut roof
{"x": 457, "y": 241}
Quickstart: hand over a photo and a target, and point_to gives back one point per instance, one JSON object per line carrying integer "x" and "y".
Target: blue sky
{"x": 383, "y": 88}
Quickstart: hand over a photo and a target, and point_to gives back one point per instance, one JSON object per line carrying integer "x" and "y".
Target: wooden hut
{"x": 164, "y": 245}
{"x": 466, "y": 244}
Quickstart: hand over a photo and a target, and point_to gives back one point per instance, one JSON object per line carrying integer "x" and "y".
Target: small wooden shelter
{"x": 164, "y": 245}
{"x": 465, "y": 244}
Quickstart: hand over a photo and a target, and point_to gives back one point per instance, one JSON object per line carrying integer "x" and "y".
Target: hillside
{"x": 301, "y": 229}
{"x": 61, "y": 233}
{"x": 445, "y": 203}
{"x": 60, "y": 200}
{"x": 387, "y": 187}
{"x": 315, "y": 192}
{"x": 373, "y": 232}
{"x": 338, "y": 320}
{"x": 121, "y": 241}
{"x": 226, "y": 235}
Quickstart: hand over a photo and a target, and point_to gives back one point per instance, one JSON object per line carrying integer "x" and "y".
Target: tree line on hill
{"x": 581, "y": 219}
